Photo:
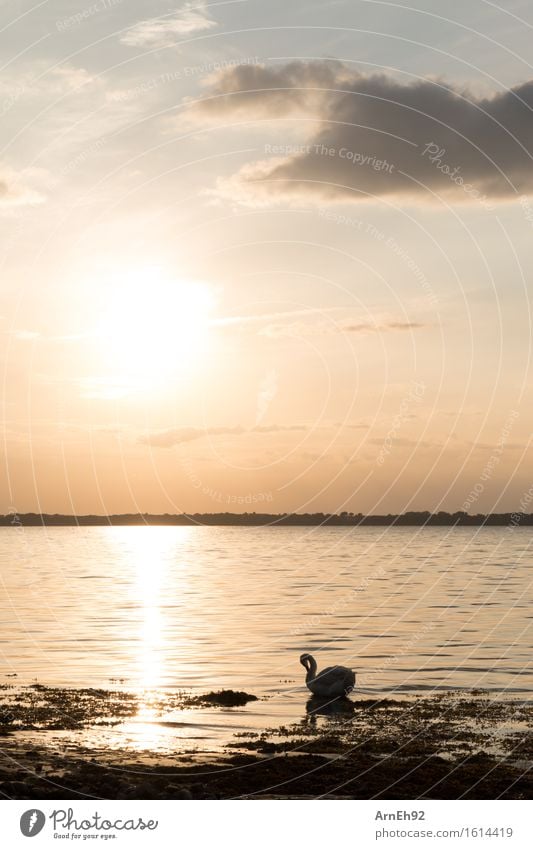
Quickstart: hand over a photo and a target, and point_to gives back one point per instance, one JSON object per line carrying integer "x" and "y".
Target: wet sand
{"x": 55, "y": 744}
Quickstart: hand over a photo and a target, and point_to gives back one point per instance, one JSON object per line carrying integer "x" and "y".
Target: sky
{"x": 266, "y": 256}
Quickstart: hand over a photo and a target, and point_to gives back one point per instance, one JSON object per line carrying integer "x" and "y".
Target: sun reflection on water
{"x": 156, "y": 561}
{"x": 154, "y": 554}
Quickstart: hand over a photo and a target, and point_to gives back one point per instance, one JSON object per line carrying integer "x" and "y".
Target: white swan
{"x": 332, "y": 682}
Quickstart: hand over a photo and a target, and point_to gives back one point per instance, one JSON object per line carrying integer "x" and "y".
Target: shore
{"x": 441, "y": 747}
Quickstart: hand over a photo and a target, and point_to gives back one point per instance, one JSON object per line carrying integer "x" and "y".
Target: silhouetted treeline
{"x": 424, "y": 518}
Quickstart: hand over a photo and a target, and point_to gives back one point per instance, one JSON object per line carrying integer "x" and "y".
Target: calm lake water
{"x": 411, "y": 609}
{"x": 234, "y": 607}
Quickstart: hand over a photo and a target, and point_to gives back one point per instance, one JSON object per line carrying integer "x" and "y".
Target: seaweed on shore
{"x": 224, "y": 698}
{"x": 38, "y": 707}
{"x": 441, "y": 747}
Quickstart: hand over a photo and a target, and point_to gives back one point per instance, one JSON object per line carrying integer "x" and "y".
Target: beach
{"x": 60, "y": 743}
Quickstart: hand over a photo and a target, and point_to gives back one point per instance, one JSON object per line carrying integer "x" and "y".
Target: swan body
{"x": 331, "y": 683}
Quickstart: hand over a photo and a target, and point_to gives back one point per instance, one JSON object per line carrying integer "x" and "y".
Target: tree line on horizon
{"x": 416, "y": 518}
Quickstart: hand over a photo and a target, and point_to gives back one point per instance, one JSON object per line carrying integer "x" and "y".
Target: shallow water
{"x": 411, "y": 609}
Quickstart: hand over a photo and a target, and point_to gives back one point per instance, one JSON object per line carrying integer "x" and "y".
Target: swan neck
{"x": 311, "y": 672}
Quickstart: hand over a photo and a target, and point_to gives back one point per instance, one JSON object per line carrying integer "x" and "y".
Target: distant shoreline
{"x": 411, "y": 519}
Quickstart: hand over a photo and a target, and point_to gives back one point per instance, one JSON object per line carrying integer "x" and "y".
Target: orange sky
{"x": 233, "y": 280}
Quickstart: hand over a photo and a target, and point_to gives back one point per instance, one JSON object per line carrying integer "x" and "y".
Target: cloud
{"x": 405, "y": 442}
{"x": 181, "y": 435}
{"x": 15, "y": 191}
{"x": 247, "y": 321}
{"x": 283, "y": 323}
{"x": 162, "y": 32}
{"x": 297, "y": 329}
{"x": 39, "y": 80}
{"x": 106, "y": 388}
{"x": 373, "y": 135}
{"x": 25, "y": 335}
{"x": 363, "y": 327}
{"x": 256, "y": 92}
{"x": 67, "y": 78}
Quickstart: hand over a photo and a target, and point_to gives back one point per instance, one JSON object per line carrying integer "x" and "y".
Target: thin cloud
{"x": 162, "y": 32}
{"x": 405, "y": 442}
{"x": 180, "y": 435}
{"x": 24, "y": 334}
{"x": 245, "y": 321}
{"x": 284, "y": 324}
{"x": 297, "y": 329}
{"x": 374, "y": 136}
{"x": 363, "y": 327}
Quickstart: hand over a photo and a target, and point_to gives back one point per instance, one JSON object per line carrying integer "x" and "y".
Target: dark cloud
{"x": 375, "y": 135}
{"x": 253, "y": 91}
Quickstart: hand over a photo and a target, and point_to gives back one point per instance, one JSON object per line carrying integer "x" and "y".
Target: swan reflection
{"x": 340, "y": 708}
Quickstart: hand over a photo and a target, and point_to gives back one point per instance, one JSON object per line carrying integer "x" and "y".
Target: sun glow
{"x": 154, "y": 327}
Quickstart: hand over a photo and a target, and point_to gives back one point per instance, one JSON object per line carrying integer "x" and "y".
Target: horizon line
{"x": 345, "y": 518}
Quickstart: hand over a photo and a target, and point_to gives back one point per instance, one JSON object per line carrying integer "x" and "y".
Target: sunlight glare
{"x": 154, "y": 327}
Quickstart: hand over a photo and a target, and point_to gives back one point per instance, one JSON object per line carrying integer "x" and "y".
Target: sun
{"x": 152, "y": 326}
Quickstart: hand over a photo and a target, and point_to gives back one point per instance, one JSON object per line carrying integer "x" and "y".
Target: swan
{"x": 332, "y": 682}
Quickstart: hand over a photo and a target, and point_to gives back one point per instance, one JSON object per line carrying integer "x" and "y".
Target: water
{"x": 409, "y": 608}
{"x": 203, "y": 608}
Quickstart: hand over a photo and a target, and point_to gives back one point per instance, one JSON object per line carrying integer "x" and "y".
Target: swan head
{"x": 306, "y": 660}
